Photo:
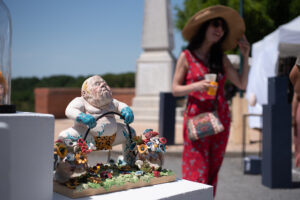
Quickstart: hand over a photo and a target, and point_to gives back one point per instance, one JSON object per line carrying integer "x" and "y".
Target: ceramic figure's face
{"x": 96, "y": 91}
{"x": 215, "y": 31}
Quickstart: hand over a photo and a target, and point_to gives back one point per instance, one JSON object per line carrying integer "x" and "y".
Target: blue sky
{"x": 78, "y": 37}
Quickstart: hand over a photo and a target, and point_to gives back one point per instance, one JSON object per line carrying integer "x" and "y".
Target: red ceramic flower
{"x": 156, "y": 173}
{"x": 81, "y": 142}
{"x": 151, "y": 134}
{"x": 163, "y": 140}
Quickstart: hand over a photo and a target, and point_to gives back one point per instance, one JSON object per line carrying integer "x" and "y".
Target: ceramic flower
{"x": 95, "y": 180}
{"x": 60, "y": 150}
{"x": 163, "y": 140}
{"x": 156, "y": 173}
{"x": 81, "y": 142}
{"x": 72, "y": 183}
{"x": 150, "y": 134}
{"x": 80, "y": 158}
{"x": 149, "y": 145}
{"x": 83, "y": 146}
{"x": 70, "y": 157}
{"x": 105, "y": 174}
{"x": 139, "y": 173}
{"x": 142, "y": 148}
{"x": 162, "y": 148}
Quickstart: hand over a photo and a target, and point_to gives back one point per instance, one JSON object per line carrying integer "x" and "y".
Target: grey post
{"x": 276, "y": 155}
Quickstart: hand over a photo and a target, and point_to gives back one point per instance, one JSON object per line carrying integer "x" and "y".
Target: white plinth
{"x": 178, "y": 190}
{"x": 154, "y": 75}
{"x": 155, "y": 71}
{"x": 27, "y": 147}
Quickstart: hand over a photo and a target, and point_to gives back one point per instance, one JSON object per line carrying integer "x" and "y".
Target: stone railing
{"x": 55, "y": 100}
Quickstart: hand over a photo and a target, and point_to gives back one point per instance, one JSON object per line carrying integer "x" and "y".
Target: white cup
{"x": 210, "y": 77}
{"x": 212, "y": 91}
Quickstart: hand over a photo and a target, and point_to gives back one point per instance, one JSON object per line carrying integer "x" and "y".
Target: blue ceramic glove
{"x": 127, "y": 114}
{"x": 86, "y": 119}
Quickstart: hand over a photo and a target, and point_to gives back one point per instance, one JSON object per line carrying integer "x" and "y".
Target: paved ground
{"x": 233, "y": 184}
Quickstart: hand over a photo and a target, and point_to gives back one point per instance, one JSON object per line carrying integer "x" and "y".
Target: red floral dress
{"x": 202, "y": 159}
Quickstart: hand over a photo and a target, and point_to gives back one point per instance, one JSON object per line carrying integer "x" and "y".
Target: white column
{"x": 155, "y": 66}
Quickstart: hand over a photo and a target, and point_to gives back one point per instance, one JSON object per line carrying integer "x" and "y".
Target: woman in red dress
{"x": 210, "y": 32}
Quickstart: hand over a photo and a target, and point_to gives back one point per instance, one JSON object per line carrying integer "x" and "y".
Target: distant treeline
{"x": 22, "y": 94}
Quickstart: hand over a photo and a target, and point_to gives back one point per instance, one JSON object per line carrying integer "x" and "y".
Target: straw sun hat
{"x": 235, "y": 23}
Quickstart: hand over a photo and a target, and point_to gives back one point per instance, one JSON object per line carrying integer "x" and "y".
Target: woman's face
{"x": 215, "y": 31}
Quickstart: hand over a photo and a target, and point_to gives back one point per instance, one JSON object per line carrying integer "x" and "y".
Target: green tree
{"x": 261, "y": 16}
{"x": 294, "y": 9}
{"x": 22, "y": 93}
{"x": 23, "y": 88}
{"x": 56, "y": 81}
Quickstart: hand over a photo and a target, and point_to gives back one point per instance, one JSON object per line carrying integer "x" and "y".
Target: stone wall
{"x": 55, "y": 100}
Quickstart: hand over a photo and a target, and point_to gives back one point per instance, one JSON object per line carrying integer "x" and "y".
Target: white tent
{"x": 265, "y": 55}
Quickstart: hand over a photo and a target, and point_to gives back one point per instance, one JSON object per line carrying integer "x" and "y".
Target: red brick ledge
{"x": 55, "y": 100}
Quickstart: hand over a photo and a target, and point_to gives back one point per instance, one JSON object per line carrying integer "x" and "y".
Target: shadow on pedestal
{"x": 167, "y": 109}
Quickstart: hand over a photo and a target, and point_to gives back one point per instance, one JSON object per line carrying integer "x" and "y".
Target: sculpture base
{"x": 7, "y": 108}
{"x": 73, "y": 193}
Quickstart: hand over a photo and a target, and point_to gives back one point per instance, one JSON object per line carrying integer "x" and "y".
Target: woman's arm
{"x": 294, "y": 109}
{"x": 178, "y": 88}
{"x": 239, "y": 80}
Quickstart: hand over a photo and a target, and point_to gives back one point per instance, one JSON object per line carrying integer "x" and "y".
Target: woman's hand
{"x": 202, "y": 86}
{"x": 244, "y": 46}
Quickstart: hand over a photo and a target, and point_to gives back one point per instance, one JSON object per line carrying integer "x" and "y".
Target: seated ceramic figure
{"x": 96, "y": 99}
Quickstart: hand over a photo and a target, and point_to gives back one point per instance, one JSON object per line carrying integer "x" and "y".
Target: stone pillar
{"x": 155, "y": 66}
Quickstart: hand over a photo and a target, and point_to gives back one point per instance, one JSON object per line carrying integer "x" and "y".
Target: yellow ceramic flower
{"x": 60, "y": 150}
{"x": 95, "y": 180}
{"x": 80, "y": 158}
{"x": 72, "y": 183}
{"x": 142, "y": 148}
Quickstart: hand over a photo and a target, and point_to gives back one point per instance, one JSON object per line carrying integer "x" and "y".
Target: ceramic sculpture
{"x": 96, "y": 99}
{"x": 96, "y": 129}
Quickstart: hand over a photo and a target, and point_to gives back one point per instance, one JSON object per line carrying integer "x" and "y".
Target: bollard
{"x": 277, "y": 155}
{"x": 167, "y": 108}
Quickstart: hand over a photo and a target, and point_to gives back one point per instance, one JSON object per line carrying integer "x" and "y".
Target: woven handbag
{"x": 204, "y": 124}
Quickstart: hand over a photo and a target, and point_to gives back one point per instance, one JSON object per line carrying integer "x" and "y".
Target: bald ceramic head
{"x": 96, "y": 91}
{"x": 295, "y": 77}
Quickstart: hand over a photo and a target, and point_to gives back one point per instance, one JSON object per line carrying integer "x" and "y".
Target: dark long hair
{"x": 216, "y": 52}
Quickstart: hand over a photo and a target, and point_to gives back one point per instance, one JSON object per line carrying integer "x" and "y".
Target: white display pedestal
{"x": 178, "y": 190}
{"x": 27, "y": 147}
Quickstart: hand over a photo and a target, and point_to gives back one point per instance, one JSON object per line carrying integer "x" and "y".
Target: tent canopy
{"x": 265, "y": 54}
